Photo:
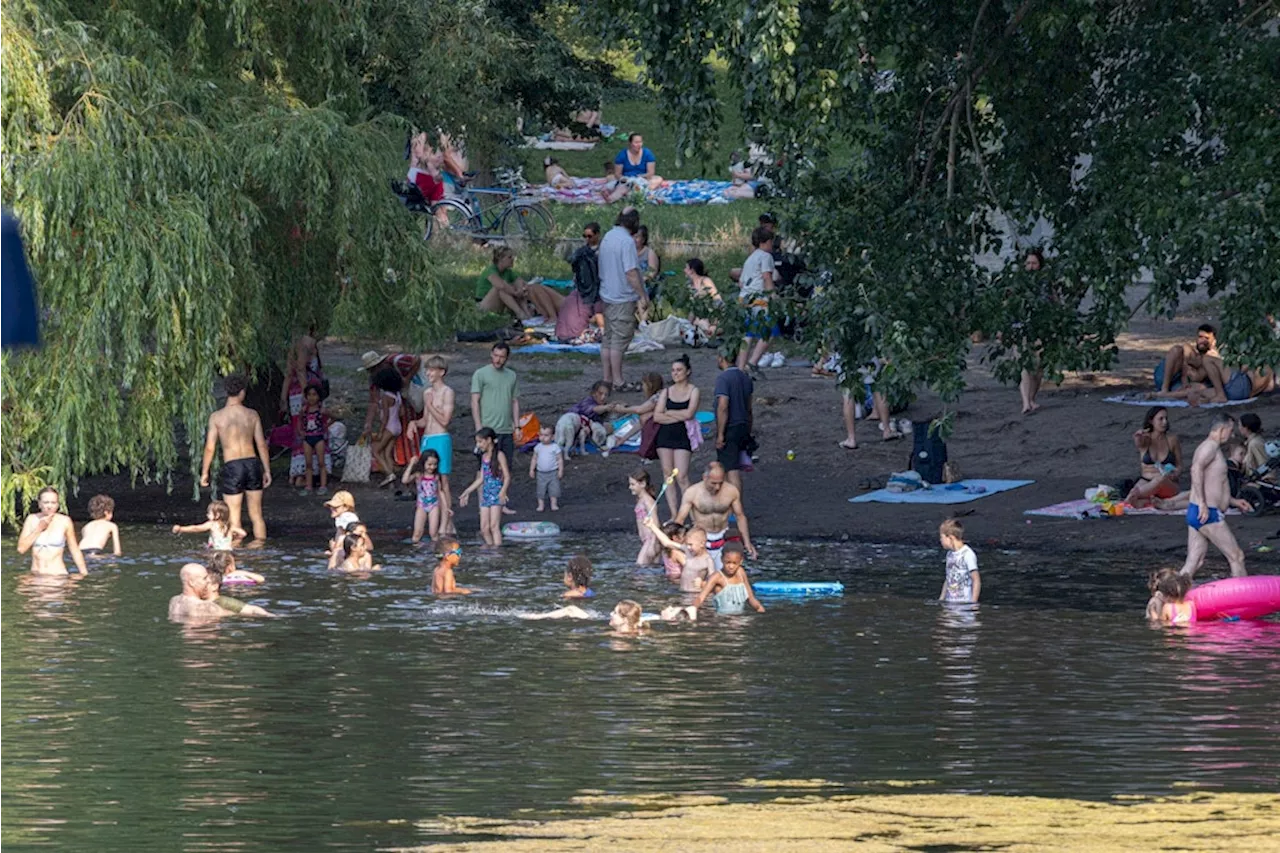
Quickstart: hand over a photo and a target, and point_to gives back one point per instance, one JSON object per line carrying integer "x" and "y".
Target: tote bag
{"x": 359, "y": 460}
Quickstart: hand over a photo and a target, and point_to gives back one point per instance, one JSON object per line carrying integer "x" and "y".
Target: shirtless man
{"x": 1199, "y": 364}
{"x": 437, "y": 412}
{"x": 1210, "y": 496}
{"x": 246, "y": 467}
{"x": 710, "y": 502}
{"x": 199, "y": 600}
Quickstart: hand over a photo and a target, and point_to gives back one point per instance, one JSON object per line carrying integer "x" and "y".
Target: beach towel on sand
{"x": 1144, "y": 398}
{"x": 956, "y": 493}
{"x": 1082, "y": 508}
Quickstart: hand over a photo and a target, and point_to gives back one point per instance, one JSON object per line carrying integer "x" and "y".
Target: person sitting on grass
{"x": 634, "y": 169}
{"x": 498, "y": 289}
{"x": 555, "y": 175}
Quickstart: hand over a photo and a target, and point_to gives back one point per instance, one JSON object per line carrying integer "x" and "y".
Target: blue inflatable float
{"x": 798, "y": 587}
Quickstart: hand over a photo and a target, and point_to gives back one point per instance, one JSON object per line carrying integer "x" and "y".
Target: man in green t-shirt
{"x": 499, "y": 289}
{"x": 495, "y": 399}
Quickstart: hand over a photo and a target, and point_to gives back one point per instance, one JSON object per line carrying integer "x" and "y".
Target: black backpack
{"x": 586, "y": 274}
{"x": 928, "y": 453}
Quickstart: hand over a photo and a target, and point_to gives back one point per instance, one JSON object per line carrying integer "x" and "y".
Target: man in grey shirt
{"x": 621, "y": 291}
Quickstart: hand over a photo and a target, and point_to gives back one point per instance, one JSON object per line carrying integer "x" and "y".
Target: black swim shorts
{"x": 735, "y": 441}
{"x": 241, "y": 475}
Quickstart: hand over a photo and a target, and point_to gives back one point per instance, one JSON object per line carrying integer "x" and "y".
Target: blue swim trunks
{"x": 1193, "y": 516}
{"x": 442, "y": 444}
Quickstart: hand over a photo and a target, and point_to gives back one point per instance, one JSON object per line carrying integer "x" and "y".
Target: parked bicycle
{"x": 482, "y": 213}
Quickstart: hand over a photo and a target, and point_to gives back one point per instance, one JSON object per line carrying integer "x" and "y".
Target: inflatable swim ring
{"x": 246, "y": 581}
{"x": 1236, "y": 598}
{"x": 530, "y": 530}
{"x": 798, "y": 587}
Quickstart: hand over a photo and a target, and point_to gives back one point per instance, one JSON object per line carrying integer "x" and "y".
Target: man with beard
{"x": 1193, "y": 365}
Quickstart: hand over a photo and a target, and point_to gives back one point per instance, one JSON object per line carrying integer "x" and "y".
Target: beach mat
{"x": 956, "y": 493}
{"x": 1141, "y": 398}
{"x": 550, "y": 348}
{"x": 1082, "y": 508}
{"x": 554, "y": 145}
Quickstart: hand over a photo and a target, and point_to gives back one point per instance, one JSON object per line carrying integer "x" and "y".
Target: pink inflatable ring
{"x": 1236, "y": 598}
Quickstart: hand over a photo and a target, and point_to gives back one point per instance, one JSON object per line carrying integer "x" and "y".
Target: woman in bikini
{"x": 1161, "y": 459}
{"x": 48, "y": 534}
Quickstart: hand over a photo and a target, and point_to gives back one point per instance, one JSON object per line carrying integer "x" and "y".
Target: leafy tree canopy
{"x": 200, "y": 179}
{"x": 1125, "y": 139}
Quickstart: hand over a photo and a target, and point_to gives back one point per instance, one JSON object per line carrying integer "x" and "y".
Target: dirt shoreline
{"x": 1076, "y": 440}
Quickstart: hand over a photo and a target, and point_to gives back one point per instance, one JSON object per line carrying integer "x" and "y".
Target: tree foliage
{"x": 199, "y": 180}
{"x": 1126, "y": 139}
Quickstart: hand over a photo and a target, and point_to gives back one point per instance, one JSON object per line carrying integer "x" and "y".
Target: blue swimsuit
{"x": 490, "y": 486}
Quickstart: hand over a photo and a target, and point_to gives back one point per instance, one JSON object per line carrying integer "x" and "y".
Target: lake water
{"x": 373, "y": 705}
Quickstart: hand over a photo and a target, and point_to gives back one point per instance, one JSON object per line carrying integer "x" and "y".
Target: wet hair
{"x": 1222, "y": 419}
{"x": 696, "y": 264}
{"x": 641, "y": 476}
{"x": 652, "y": 383}
{"x": 220, "y": 511}
{"x": 100, "y": 505}
{"x": 579, "y": 570}
{"x": 487, "y": 432}
{"x": 683, "y": 358}
{"x": 445, "y": 544}
{"x": 593, "y": 227}
{"x": 501, "y": 345}
{"x": 1208, "y": 329}
{"x": 353, "y": 526}
{"x": 629, "y": 219}
{"x": 1170, "y": 583}
{"x": 629, "y": 610}
{"x": 1249, "y": 421}
{"x": 953, "y": 528}
{"x": 350, "y": 542}
{"x": 220, "y": 562}
{"x": 760, "y": 236}
{"x": 642, "y": 231}
{"x": 673, "y": 531}
{"x": 234, "y": 384}
{"x": 501, "y": 252}
{"x": 596, "y": 386}
{"x": 1151, "y": 416}
{"x": 437, "y": 363}
{"x": 214, "y": 575}
{"x": 733, "y": 548}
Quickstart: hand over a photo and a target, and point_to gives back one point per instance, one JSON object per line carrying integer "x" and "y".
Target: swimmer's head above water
{"x": 578, "y": 573}
{"x": 731, "y": 558}
{"x": 625, "y": 618}
{"x": 449, "y": 550}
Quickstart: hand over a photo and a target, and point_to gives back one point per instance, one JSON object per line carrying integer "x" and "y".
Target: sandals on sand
{"x": 846, "y": 445}
{"x": 626, "y": 387}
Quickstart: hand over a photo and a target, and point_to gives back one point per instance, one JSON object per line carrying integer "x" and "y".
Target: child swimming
{"x": 492, "y": 480}
{"x": 729, "y": 586}
{"x": 962, "y": 582}
{"x": 1168, "y": 604}
{"x": 577, "y": 577}
{"x": 425, "y": 471}
{"x": 694, "y": 560}
{"x": 225, "y": 562}
{"x": 95, "y": 535}
{"x": 218, "y": 525}
{"x": 626, "y": 618}
{"x": 443, "y": 581}
{"x": 639, "y": 485}
{"x": 355, "y": 528}
{"x": 358, "y": 558}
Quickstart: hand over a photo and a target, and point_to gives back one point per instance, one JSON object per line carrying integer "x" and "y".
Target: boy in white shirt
{"x": 963, "y": 583}
{"x": 547, "y": 467}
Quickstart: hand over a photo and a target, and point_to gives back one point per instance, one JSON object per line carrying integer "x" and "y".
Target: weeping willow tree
{"x": 200, "y": 179}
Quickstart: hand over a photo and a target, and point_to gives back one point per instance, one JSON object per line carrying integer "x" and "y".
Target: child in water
{"x": 443, "y": 581}
{"x": 493, "y": 479}
{"x": 342, "y": 509}
{"x": 95, "y": 535}
{"x": 675, "y": 533}
{"x": 577, "y": 577}
{"x": 217, "y": 525}
{"x": 225, "y": 562}
{"x": 625, "y": 618}
{"x": 730, "y": 586}
{"x": 355, "y": 528}
{"x": 358, "y": 558}
{"x": 639, "y": 485}
{"x": 1168, "y": 604}
{"x": 692, "y": 557}
{"x": 425, "y": 471}
{"x": 962, "y": 583}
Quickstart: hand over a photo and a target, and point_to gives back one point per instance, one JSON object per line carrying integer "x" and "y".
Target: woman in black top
{"x": 677, "y": 405}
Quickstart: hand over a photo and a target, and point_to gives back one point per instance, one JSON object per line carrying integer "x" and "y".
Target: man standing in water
{"x": 245, "y": 464}
{"x": 710, "y": 503}
{"x": 1210, "y": 496}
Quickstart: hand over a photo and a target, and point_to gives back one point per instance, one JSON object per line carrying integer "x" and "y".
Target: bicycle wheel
{"x": 451, "y": 215}
{"x": 527, "y": 219}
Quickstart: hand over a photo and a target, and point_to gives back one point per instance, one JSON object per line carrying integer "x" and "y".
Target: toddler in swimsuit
{"x": 425, "y": 470}
{"x": 1168, "y": 604}
{"x": 639, "y": 485}
{"x": 693, "y": 561}
{"x": 731, "y": 590}
{"x": 217, "y": 525}
{"x": 492, "y": 481}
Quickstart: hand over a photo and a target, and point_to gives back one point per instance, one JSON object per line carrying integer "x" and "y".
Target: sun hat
{"x": 370, "y": 360}
{"x": 341, "y": 498}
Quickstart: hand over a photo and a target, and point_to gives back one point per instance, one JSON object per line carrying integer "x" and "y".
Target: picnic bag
{"x": 359, "y": 460}
{"x": 929, "y": 452}
{"x": 527, "y": 430}
{"x": 648, "y": 439}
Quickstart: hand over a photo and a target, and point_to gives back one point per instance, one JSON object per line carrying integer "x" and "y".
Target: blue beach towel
{"x": 956, "y": 493}
{"x": 557, "y": 349}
